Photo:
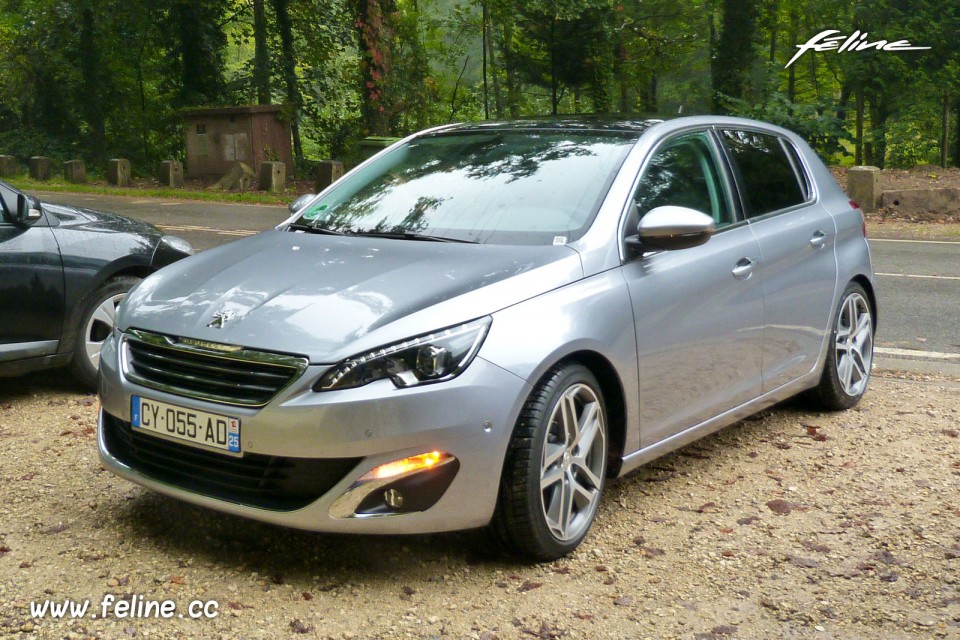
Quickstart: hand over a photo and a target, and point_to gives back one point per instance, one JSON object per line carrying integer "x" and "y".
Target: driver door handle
{"x": 744, "y": 268}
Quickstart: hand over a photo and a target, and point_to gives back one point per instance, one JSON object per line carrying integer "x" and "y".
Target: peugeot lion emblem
{"x": 219, "y": 319}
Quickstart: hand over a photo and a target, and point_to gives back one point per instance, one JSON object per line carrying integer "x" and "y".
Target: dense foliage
{"x": 107, "y": 78}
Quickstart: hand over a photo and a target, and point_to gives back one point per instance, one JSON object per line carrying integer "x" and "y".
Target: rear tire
{"x": 555, "y": 468}
{"x": 846, "y": 371}
{"x": 95, "y": 325}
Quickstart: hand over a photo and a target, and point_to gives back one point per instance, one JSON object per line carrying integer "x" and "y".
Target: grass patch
{"x": 248, "y": 197}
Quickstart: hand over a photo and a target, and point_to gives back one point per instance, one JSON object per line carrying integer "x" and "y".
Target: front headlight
{"x": 178, "y": 244}
{"x": 433, "y": 357}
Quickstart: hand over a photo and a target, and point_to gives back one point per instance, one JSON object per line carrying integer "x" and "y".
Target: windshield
{"x": 498, "y": 187}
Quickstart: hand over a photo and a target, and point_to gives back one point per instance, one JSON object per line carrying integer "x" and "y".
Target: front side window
{"x": 685, "y": 174}
{"x": 769, "y": 181}
{"x": 492, "y": 186}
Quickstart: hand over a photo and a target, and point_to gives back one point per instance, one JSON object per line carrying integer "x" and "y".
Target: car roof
{"x": 586, "y": 123}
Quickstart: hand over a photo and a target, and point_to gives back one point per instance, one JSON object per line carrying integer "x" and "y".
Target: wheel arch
{"x": 614, "y": 398}
{"x": 867, "y": 285}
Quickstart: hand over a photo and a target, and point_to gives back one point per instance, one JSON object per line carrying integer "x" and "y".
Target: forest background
{"x": 95, "y": 79}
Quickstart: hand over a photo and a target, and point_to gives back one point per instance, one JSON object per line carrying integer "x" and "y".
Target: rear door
{"x": 797, "y": 238}
{"x": 698, "y": 311}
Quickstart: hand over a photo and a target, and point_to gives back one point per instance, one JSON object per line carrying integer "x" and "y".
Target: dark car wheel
{"x": 554, "y": 473}
{"x": 847, "y": 368}
{"x": 96, "y": 323}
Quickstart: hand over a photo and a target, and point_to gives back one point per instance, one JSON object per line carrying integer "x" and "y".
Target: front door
{"x": 31, "y": 287}
{"x": 698, "y": 311}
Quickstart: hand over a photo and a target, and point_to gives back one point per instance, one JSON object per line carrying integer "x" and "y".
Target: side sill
{"x": 643, "y": 456}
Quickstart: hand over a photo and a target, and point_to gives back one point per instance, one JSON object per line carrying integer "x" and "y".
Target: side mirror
{"x": 28, "y": 211}
{"x": 301, "y": 202}
{"x": 671, "y": 227}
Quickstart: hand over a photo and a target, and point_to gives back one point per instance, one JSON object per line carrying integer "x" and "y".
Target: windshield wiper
{"x": 408, "y": 235}
{"x": 311, "y": 229}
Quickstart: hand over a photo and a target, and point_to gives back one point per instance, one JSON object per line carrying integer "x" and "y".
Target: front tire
{"x": 556, "y": 465}
{"x": 846, "y": 371}
{"x": 95, "y": 325}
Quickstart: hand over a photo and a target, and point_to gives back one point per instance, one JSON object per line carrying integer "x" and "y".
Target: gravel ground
{"x": 790, "y": 524}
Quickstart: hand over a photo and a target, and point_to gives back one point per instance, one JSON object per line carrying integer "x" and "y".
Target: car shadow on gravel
{"x": 50, "y": 381}
{"x": 180, "y": 530}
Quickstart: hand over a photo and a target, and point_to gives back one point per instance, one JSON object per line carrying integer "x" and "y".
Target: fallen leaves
{"x": 529, "y": 585}
{"x": 782, "y": 507}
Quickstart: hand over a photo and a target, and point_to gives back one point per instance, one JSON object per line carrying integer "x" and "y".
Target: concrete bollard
{"x": 75, "y": 171}
{"x": 328, "y": 172}
{"x": 171, "y": 174}
{"x": 273, "y": 176}
{"x": 8, "y": 166}
{"x": 40, "y": 168}
{"x": 118, "y": 172}
{"x": 863, "y": 186}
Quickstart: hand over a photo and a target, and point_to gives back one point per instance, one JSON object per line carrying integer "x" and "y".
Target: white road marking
{"x": 928, "y": 355}
{"x": 915, "y": 241}
{"x": 141, "y": 201}
{"x": 222, "y": 232}
{"x": 913, "y": 275}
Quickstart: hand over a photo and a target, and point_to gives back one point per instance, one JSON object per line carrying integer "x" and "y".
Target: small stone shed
{"x": 220, "y": 137}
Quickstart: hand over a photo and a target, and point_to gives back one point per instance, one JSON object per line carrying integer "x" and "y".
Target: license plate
{"x": 189, "y": 425}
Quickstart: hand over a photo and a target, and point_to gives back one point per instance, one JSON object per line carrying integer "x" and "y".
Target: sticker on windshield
{"x": 313, "y": 214}
{"x": 559, "y": 240}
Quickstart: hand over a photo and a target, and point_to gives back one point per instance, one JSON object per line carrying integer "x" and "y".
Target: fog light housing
{"x": 407, "y": 485}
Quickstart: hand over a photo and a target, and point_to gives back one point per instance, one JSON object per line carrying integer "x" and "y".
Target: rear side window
{"x": 767, "y": 175}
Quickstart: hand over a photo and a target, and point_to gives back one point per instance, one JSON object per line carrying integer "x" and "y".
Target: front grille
{"x": 243, "y": 377}
{"x": 269, "y": 482}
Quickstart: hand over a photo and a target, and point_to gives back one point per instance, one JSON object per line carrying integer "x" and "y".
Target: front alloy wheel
{"x": 846, "y": 371}
{"x": 555, "y": 468}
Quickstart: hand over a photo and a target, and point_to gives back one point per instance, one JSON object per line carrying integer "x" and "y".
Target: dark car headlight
{"x": 432, "y": 357}
{"x": 169, "y": 250}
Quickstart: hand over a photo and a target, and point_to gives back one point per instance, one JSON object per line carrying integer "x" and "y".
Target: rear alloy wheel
{"x": 555, "y": 468}
{"x": 95, "y": 327}
{"x": 846, "y": 371}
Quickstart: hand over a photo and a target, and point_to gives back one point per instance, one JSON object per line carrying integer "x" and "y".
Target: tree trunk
{"x": 261, "y": 53}
{"x": 92, "y": 83}
{"x": 945, "y": 135}
{"x": 290, "y": 73}
{"x": 375, "y": 36}
{"x": 492, "y": 61}
{"x": 858, "y": 158}
{"x": 734, "y": 56}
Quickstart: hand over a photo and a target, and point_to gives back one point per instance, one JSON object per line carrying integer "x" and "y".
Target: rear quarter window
{"x": 768, "y": 176}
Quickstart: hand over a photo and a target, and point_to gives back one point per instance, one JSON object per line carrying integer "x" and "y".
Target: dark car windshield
{"x": 498, "y": 187}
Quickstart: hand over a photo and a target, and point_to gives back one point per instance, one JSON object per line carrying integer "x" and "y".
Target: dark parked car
{"x": 63, "y": 271}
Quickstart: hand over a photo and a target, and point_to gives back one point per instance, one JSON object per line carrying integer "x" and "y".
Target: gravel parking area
{"x": 790, "y": 524}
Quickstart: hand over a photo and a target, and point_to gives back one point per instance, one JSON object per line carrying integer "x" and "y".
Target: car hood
{"x": 330, "y": 297}
{"x": 78, "y": 217}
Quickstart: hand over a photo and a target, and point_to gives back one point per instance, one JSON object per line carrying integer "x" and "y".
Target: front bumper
{"x": 470, "y": 417}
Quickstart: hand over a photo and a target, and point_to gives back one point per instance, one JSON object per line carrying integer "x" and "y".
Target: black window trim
{"x": 802, "y": 175}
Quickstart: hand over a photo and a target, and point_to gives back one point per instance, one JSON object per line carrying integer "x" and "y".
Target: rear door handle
{"x": 744, "y": 268}
{"x": 818, "y": 240}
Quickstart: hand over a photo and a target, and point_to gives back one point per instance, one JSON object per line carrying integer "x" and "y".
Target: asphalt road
{"x": 918, "y": 281}
{"x": 204, "y": 224}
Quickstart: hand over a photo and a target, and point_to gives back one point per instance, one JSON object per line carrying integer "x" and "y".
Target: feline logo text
{"x": 857, "y": 41}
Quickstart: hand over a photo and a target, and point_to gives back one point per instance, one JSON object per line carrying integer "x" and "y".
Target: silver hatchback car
{"x": 481, "y": 324}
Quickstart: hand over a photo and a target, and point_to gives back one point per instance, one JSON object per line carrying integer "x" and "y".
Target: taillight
{"x": 863, "y": 219}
